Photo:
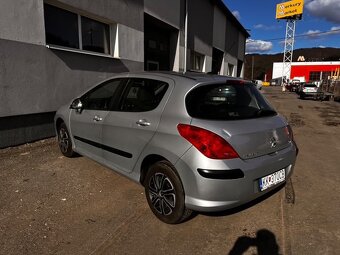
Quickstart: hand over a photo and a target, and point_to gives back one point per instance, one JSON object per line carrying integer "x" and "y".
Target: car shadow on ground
{"x": 264, "y": 242}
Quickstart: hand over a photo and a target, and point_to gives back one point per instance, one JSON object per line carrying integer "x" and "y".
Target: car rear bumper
{"x": 309, "y": 94}
{"x": 209, "y": 194}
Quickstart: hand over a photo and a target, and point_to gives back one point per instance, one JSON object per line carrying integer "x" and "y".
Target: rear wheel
{"x": 165, "y": 194}
{"x": 64, "y": 141}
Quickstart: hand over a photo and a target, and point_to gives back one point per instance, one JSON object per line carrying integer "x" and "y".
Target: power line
{"x": 331, "y": 32}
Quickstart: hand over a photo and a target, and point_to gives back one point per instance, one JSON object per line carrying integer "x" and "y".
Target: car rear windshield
{"x": 229, "y": 101}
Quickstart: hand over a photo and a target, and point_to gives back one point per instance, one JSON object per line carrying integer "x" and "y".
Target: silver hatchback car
{"x": 194, "y": 141}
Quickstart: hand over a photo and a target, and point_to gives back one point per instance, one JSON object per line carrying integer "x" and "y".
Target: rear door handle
{"x": 143, "y": 122}
{"x": 97, "y": 118}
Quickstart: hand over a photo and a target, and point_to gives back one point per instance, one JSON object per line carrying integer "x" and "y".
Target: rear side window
{"x": 228, "y": 101}
{"x": 143, "y": 95}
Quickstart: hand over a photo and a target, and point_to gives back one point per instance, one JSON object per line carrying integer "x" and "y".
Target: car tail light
{"x": 208, "y": 143}
{"x": 289, "y": 133}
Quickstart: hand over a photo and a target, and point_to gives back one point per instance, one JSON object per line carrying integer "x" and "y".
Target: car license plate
{"x": 272, "y": 179}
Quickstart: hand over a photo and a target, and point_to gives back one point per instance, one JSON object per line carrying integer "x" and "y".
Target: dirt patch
{"x": 295, "y": 120}
{"x": 289, "y": 192}
{"x": 330, "y": 115}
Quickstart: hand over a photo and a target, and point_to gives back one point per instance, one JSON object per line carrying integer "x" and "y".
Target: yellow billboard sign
{"x": 289, "y": 9}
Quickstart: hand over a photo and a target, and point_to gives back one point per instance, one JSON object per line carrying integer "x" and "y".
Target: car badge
{"x": 273, "y": 142}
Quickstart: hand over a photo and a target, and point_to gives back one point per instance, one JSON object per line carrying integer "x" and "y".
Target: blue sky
{"x": 319, "y": 27}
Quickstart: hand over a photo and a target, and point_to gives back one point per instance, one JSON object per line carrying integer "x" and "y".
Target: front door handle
{"x": 97, "y": 118}
{"x": 143, "y": 122}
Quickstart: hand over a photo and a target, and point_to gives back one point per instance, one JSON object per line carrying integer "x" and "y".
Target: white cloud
{"x": 258, "y": 26}
{"x": 315, "y": 34}
{"x": 326, "y": 9}
{"x": 335, "y": 30}
{"x": 237, "y": 14}
{"x": 312, "y": 34}
{"x": 253, "y": 46}
{"x": 282, "y": 43}
{"x": 265, "y": 27}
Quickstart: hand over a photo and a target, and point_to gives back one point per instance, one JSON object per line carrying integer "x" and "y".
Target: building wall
{"x": 200, "y": 26}
{"x": 219, "y": 30}
{"x": 107, "y": 10}
{"x": 165, "y": 10}
{"x": 302, "y": 69}
{"x": 23, "y": 21}
{"x": 231, "y": 39}
{"x": 241, "y": 49}
{"x": 35, "y": 79}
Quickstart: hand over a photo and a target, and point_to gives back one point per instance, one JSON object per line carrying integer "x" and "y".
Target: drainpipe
{"x": 185, "y": 36}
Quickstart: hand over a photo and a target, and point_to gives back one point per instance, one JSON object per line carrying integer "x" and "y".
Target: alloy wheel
{"x": 162, "y": 194}
{"x": 63, "y": 140}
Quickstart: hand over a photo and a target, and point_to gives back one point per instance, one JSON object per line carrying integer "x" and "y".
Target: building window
{"x": 325, "y": 75}
{"x": 314, "y": 76}
{"x": 71, "y": 30}
{"x": 197, "y": 61}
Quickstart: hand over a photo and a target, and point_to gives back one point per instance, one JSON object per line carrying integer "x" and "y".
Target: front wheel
{"x": 64, "y": 141}
{"x": 165, "y": 194}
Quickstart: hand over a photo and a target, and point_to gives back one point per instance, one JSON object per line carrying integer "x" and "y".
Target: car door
{"x": 86, "y": 124}
{"x": 127, "y": 129}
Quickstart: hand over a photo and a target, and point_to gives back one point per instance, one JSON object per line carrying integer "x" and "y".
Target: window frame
{"x": 80, "y": 30}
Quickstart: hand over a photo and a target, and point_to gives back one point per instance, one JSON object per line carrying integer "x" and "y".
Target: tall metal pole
{"x": 288, "y": 50}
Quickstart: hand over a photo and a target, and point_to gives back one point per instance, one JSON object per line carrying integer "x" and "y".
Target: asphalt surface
{"x": 50, "y": 204}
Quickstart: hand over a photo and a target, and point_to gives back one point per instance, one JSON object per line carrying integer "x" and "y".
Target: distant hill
{"x": 263, "y": 63}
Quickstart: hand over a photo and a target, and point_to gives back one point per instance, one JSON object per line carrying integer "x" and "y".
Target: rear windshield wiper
{"x": 265, "y": 112}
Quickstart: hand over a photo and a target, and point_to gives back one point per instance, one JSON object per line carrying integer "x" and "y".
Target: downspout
{"x": 185, "y": 36}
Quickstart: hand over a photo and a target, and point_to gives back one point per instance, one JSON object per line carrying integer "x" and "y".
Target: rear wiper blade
{"x": 265, "y": 112}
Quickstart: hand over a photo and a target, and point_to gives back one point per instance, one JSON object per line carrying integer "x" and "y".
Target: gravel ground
{"x": 50, "y": 204}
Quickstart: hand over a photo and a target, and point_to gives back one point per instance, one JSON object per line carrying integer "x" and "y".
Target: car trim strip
{"x": 221, "y": 174}
{"x": 105, "y": 147}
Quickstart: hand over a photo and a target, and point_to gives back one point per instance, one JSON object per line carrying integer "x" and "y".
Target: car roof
{"x": 194, "y": 77}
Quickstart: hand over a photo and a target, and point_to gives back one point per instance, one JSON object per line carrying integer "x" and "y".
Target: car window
{"x": 143, "y": 95}
{"x": 100, "y": 98}
{"x": 227, "y": 102}
{"x": 310, "y": 86}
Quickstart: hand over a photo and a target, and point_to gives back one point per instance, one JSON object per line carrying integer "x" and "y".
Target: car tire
{"x": 165, "y": 194}
{"x": 64, "y": 141}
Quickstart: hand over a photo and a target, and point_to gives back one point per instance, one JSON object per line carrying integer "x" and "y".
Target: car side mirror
{"x": 77, "y": 105}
